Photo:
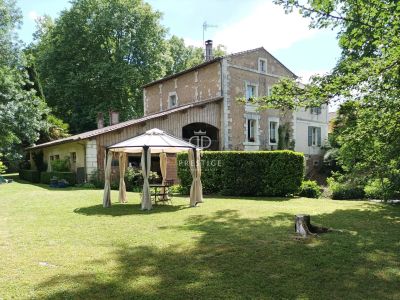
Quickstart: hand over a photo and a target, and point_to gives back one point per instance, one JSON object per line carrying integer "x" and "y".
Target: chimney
{"x": 100, "y": 120}
{"x": 114, "y": 117}
{"x": 209, "y": 50}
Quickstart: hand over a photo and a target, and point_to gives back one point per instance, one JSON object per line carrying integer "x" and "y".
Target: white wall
{"x": 303, "y": 119}
{"x": 91, "y": 157}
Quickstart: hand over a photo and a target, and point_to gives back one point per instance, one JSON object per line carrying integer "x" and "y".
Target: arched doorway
{"x": 202, "y": 135}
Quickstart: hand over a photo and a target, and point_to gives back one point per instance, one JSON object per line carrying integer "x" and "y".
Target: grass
{"x": 62, "y": 244}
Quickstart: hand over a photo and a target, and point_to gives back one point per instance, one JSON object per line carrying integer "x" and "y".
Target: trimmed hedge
{"x": 68, "y": 176}
{"x": 30, "y": 175}
{"x": 246, "y": 173}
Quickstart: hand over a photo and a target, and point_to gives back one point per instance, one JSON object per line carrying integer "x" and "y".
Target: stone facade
{"x": 91, "y": 157}
{"x": 229, "y": 77}
{"x": 194, "y": 86}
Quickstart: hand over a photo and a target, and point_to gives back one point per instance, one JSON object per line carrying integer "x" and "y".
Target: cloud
{"x": 266, "y": 25}
{"x": 33, "y": 15}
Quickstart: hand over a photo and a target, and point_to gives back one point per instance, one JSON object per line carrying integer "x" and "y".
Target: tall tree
{"x": 96, "y": 57}
{"x": 22, "y": 113}
{"x": 184, "y": 57}
{"x": 367, "y": 72}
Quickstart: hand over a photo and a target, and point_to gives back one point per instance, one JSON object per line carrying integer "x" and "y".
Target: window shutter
{"x": 309, "y": 135}
{"x": 319, "y": 136}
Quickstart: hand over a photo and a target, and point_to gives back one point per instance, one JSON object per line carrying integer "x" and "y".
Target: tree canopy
{"x": 368, "y": 73}
{"x": 96, "y": 56}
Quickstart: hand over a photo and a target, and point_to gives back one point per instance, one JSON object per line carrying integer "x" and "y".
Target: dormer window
{"x": 172, "y": 100}
{"x": 262, "y": 65}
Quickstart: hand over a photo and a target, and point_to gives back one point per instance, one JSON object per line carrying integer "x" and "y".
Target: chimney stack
{"x": 100, "y": 120}
{"x": 209, "y": 50}
{"x": 114, "y": 117}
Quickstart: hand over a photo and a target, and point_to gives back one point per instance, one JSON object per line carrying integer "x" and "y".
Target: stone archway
{"x": 203, "y": 135}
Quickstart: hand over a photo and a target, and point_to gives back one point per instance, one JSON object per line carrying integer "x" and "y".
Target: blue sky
{"x": 242, "y": 25}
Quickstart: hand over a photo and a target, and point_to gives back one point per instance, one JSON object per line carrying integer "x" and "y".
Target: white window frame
{"x": 169, "y": 99}
{"x": 265, "y": 65}
{"x": 314, "y": 136}
{"x": 255, "y": 90}
{"x": 316, "y": 110}
{"x": 248, "y": 130}
{"x": 273, "y": 120}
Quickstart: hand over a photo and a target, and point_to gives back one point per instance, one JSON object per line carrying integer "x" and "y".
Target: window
{"x": 57, "y": 157}
{"x": 269, "y": 91}
{"x": 251, "y": 91}
{"x": 314, "y": 136}
{"x": 251, "y": 130}
{"x": 51, "y": 157}
{"x": 315, "y": 110}
{"x": 262, "y": 65}
{"x": 73, "y": 157}
{"x": 172, "y": 101}
{"x": 273, "y": 132}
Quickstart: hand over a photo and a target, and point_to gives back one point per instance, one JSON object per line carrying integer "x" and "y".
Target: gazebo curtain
{"x": 146, "y": 163}
{"x": 163, "y": 168}
{"x": 122, "y": 186}
{"x": 196, "y": 190}
{"x": 107, "y": 180}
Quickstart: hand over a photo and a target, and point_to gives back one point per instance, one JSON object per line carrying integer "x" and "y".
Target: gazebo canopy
{"x": 157, "y": 140}
{"x": 153, "y": 141}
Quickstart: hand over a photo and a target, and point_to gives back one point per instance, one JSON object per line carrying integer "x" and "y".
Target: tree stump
{"x": 304, "y": 227}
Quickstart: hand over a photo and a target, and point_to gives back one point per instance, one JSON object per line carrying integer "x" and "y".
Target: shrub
{"x": 134, "y": 178}
{"x": 252, "y": 173}
{"x": 97, "y": 179}
{"x": 30, "y": 175}
{"x": 41, "y": 165}
{"x": 60, "y": 165}
{"x": 345, "y": 190}
{"x": 377, "y": 189}
{"x": 68, "y": 176}
{"x": 87, "y": 185}
{"x": 3, "y": 168}
{"x": 310, "y": 189}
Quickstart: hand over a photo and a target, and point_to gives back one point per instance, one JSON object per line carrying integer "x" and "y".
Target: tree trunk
{"x": 304, "y": 227}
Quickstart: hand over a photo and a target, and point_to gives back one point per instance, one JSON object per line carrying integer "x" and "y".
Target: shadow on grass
{"x": 126, "y": 209}
{"x": 237, "y": 258}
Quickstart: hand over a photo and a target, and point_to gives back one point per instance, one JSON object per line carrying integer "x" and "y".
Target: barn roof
{"x": 96, "y": 132}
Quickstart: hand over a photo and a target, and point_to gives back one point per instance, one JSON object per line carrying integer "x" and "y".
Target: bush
{"x": 345, "y": 190}
{"x": 3, "y": 168}
{"x": 310, "y": 189}
{"x": 251, "y": 173}
{"x": 60, "y": 165}
{"x": 97, "y": 179}
{"x": 87, "y": 185}
{"x": 134, "y": 178}
{"x": 377, "y": 189}
{"x": 68, "y": 176}
{"x": 30, "y": 175}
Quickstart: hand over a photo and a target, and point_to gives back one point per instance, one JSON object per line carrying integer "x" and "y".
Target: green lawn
{"x": 63, "y": 244}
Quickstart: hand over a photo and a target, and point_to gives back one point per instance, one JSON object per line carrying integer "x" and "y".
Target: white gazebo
{"x": 154, "y": 141}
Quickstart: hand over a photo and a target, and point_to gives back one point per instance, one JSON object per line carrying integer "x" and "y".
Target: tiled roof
{"x": 213, "y": 61}
{"x": 96, "y": 132}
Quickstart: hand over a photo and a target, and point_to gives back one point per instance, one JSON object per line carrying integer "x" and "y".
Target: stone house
{"x": 200, "y": 105}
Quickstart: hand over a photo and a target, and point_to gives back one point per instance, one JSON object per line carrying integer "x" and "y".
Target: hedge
{"x": 30, "y": 175}
{"x": 246, "y": 173}
{"x": 68, "y": 176}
